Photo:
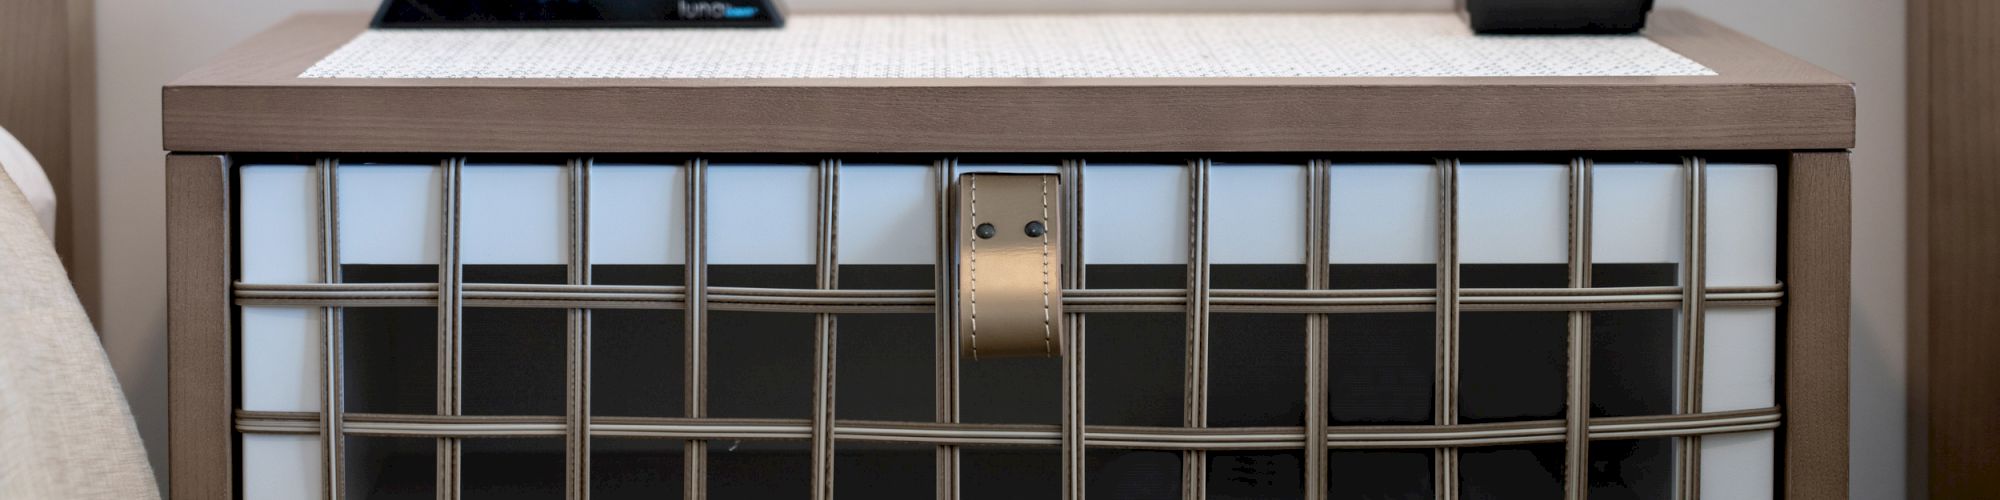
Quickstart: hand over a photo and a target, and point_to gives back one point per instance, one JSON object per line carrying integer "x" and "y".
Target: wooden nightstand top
{"x": 253, "y": 99}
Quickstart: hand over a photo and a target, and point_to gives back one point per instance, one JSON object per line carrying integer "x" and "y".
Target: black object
{"x": 579, "y": 14}
{"x": 985, "y": 231}
{"x": 1555, "y": 16}
{"x": 1035, "y": 229}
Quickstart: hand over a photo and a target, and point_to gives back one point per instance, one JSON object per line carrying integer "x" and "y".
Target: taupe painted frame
{"x": 203, "y": 420}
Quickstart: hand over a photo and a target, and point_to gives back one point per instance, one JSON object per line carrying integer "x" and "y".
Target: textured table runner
{"x": 1008, "y": 46}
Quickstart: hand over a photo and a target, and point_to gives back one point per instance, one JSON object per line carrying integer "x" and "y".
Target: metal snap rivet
{"x": 1035, "y": 229}
{"x": 986, "y": 231}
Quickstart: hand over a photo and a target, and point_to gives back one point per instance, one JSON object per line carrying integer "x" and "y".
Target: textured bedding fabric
{"x": 65, "y": 431}
{"x": 29, "y": 178}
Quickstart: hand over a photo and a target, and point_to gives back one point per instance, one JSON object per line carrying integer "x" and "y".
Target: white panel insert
{"x": 1742, "y": 225}
{"x": 1739, "y": 466}
{"x": 281, "y": 358}
{"x": 887, "y": 214}
{"x": 280, "y": 467}
{"x": 1257, "y": 214}
{"x": 280, "y": 223}
{"x": 1739, "y": 359}
{"x": 1513, "y": 214}
{"x": 1135, "y": 214}
{"x": 762, "y": 214}
{"x": 391, "y": 214}
{"x": 515, "y": 214}
{"x": 1383, "y": 214}
{"x": 638, "y": 214}
{"x": 1637, "y": 214}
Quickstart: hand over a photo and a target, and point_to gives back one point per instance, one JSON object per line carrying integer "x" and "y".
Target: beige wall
{"x": 145, "y": 43}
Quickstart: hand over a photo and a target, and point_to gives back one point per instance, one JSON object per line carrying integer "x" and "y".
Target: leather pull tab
{"x": 1009, "y": 265}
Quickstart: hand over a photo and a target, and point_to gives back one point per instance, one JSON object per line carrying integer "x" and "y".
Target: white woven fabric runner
{"x": 1008, "y": 46}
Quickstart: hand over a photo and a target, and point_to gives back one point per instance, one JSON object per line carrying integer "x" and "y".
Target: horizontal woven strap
{"x": 1098, "y": 436}
{"x": 924, "y": 301}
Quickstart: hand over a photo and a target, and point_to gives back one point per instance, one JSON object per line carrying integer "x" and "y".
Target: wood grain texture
{"x": 1818, "y": 247}
{"x": 199, "y": 438}
{"x": 1955, "y": 276}
{"x": 250, "y": 100}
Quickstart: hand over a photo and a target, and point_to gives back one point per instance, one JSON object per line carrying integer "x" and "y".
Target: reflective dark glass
{"x": 1634, "y": 469}
{"x": 884, "y": 470}
{"x": 1379, "y": 475}
{"x": 1132, "y": 474}
{"x": 994, "y": 473}
{"x": 391, "y": 360}
{"x": 1511, "y": 472}
{"x": 636, "y": 469}
{"x": 759, "y": 469}
{"x": 381, "y": 468}
{"x": 1513, "y": 366}
{"x": 760, "y": 365}
{"x": 512, "y": 468}
{"x": 887, "y": 366}
{"x": 1257, "y": 370}
{"x": 1632, "y": 362}
{"x": 1261, "y": 475}
{"x": 1381, "y": 368}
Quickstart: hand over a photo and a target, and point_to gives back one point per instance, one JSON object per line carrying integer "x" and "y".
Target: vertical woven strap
{"x": 576, "y": 448}
{"x": 1576, "y": 438}
{"x": 827, "y": 276}
{"x": 1074, "y": 368}
{"x": 1194, "y": 463}
{"x": 1318, "y": 332}
{"x": 450, "y": 327}
{"x": 332, "y": 398}
{"x": 695, "y": 478}
{"x": 1445, "y": 472}
{"x": 1694, "y": 290}
{"x": 944, "y": 172}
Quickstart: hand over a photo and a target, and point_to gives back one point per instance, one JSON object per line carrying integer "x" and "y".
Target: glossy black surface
{"x": 1513, "y": 366}
{"x": 886, "y": 366}
{"x": 991, "y": 473}
{"x": 636, "y": 469}
{"x": 1511, "y": 472}
{"x": 884, "y": 470}
{"x": 1259, "y": 475}
{"x": 1632, "y": 362}
{"x": 760, "y": 363}
{"x": 512, "y": 468}
{"x": 1513, "y": 275}
{"x": 759, "y": 469}
{"x": 1134, "y": 474}
{"x": 1379, "y": 475}
{"x": 1134, "y": 369}
{"x": 390, "y": 364}
{"x": 1257, "y": 370}
{"x": 1622, "y": 275}
{"x": 1636, "y": 469}
{"x": 1381, "y": 368}
{"x": 638, "y": 362}
{"x": 1381, "y": 276}
{"x": 380, "y": 468}
{"x": 1136, "y": 360}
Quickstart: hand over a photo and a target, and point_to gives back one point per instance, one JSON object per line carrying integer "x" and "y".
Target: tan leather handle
{"x": 1009, "y": 265}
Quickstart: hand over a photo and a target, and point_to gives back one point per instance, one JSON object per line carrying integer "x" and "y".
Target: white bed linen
{"x": 18, "y": 164}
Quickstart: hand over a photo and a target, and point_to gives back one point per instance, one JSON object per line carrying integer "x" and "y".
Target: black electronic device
{"x": 579, "y": 14}
{"x": 1555, "y": 16}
